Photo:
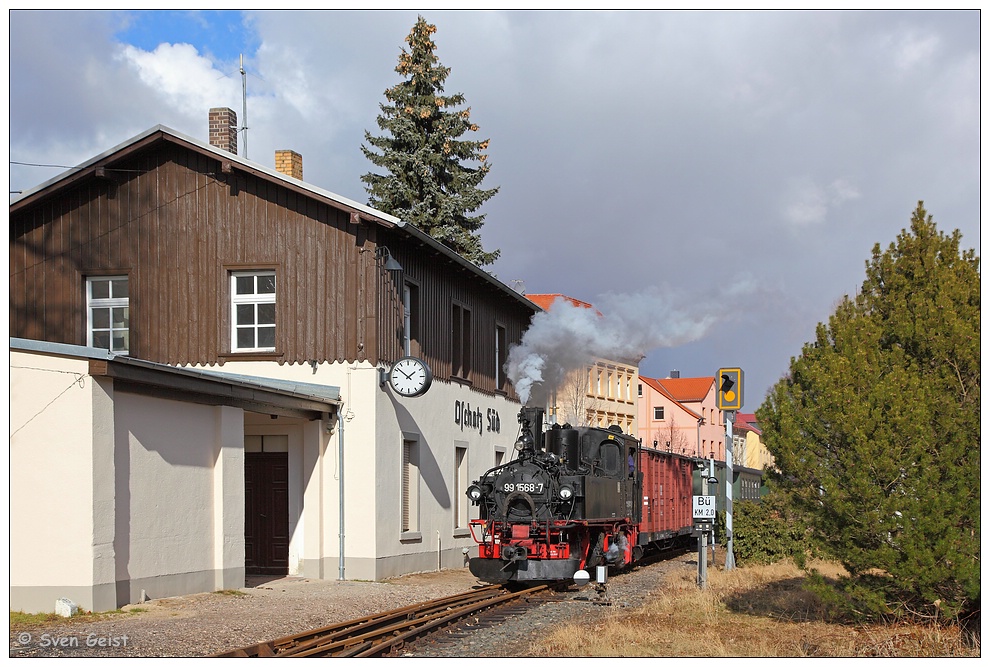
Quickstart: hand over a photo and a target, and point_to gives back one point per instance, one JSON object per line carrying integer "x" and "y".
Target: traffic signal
{"x": 729, "y": 395}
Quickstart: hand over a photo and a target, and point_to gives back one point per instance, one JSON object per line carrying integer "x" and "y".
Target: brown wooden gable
{"x": 177, "y": 218}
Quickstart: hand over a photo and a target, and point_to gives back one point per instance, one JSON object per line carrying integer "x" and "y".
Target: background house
{"x": 173, "y": 251}
{"x": 682, "y": 412}
{"x": 748, "y": 442}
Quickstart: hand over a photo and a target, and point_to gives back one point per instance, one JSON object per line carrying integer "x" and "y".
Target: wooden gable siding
{"x": 176, "y": 225}
{"x": 442, "y": 284}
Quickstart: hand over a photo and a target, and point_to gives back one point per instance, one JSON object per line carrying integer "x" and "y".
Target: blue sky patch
{"x": 218, "y": 34}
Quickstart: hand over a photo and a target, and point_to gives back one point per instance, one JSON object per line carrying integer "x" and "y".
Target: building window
{"x": 252, "y": 313}
{"x": 460, "y": 487}
{"x": 107, "y": 306}
{"x": 460, "y": 342}
{"x": 658, "y": 413}
{"x": 410, "y": 486}
{"x": 639, "y": 389}
{"x": 410, "y": 318}
{"x": 501, "y": 353}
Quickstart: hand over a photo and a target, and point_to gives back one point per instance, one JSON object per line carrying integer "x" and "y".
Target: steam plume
{"x": 568, "y": 337}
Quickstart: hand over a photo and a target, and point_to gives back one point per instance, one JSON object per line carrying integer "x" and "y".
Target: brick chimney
{"x": 223, "y": 129}
{"x": 289, "y": 163}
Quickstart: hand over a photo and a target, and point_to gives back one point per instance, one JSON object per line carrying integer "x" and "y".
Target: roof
{"x": 544, "y": 301}
{"x": 690, "y": 390}
{"x": 255, "y": 394}
{"x": 357, "y": 210}
{"x": 656, "y": 386}
{"x": 746, "y": 421}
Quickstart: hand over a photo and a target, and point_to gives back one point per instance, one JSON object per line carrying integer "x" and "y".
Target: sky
{"x": 725, "y": 169}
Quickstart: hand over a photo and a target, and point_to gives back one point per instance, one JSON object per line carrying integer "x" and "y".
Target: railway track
{"x": 379, "y": 634}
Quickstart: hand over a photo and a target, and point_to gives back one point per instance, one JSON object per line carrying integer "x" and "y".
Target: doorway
{"x": 266, "y": 513}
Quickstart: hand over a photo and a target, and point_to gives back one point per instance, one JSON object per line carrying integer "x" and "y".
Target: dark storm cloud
{"x": 746, "y": 160}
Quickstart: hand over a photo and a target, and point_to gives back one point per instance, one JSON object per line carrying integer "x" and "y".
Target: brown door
{"x": 266, "y": 513}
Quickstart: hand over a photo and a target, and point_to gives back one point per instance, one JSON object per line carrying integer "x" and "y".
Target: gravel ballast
{"x": 208, "y": 623}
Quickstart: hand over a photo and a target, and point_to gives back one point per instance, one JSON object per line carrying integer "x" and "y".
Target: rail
{"x": 378, "y": 634}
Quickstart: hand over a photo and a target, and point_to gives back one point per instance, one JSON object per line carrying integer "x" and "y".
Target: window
{"x": 252, "y": 314}
{"x": 107, "y": 307}
{"x": 639, "y": 390}
{"x": 461, "y": 342}
{"x": 410, "y": 318}
{"x": 658, "y": 413}
{"x": 500, "y": 357}
{"x": 410, "y": 486}
{"x": 460, "y": 487}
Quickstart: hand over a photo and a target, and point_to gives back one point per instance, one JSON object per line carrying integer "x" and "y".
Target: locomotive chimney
{"x": 530, "y": 430}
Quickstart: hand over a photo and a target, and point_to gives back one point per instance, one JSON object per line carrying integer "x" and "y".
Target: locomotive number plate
{"x": 527, "y": 487}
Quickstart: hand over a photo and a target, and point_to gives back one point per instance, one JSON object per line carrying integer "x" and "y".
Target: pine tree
{"x": 877, "y": 428}
{"x": 434, "y": 175}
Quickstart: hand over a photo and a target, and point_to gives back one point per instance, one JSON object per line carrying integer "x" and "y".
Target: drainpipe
{"x": 340, "y": 467}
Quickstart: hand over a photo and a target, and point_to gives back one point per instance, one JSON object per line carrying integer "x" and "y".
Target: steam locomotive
{"x": 575, "y": 498}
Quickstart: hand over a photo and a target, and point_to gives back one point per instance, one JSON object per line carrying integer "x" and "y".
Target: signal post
{"x": 729, "y": 398}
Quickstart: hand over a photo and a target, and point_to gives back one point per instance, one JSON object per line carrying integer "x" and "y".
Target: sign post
{"x": 729, "y": 398}
{"x": 703, "y": 510}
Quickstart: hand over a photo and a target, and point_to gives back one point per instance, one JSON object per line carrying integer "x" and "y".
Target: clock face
{"x": 410, "y": 376}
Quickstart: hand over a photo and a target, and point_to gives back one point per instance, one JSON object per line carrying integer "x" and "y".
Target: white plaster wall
{"x": 51, "y": 471}
{"x": 228, "y": 499}
{"x": 166, "y": 454}
{"x": 373, "y": 420}
{"x": 316, "y": 533}
{"x": 434, "y": 417}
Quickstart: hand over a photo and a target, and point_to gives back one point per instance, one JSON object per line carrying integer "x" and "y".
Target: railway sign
{"x": 729, "y": 394}
{"x": 703, "y": 507}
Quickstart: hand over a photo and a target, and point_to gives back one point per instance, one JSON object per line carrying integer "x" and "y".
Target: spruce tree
{"x": 876, "y": 429}
{"x": 433, "y": 174}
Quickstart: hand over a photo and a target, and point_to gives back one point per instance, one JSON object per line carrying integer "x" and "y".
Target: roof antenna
{"x": 244, "y": 126}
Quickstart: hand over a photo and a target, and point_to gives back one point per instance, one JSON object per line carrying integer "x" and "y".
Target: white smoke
{"x": 569, "y": 337}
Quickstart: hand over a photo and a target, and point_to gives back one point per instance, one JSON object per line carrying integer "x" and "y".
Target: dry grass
{"x": 758, "y": 611}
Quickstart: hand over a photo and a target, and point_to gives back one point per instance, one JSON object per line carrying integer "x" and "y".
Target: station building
{"x": 204, "y": 380}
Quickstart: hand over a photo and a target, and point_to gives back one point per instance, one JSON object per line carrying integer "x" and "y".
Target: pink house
{"x": 680, "y": 414}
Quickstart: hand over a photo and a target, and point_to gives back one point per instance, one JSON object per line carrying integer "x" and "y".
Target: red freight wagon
{"x": 667, "y": 492}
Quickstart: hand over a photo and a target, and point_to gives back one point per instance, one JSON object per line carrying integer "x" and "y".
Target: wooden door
{"x": 266, "y": 513}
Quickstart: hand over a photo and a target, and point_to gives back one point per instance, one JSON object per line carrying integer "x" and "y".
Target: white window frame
{"x": 255, "y": 299}
{"x": 461, "y": 503}
{"x": 112, "y": 303}
{"x": 409, "y": 488}
{"x": 658, "y": 413}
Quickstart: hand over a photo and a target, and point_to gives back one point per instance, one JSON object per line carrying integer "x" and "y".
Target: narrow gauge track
{"x": 379, "y": 634}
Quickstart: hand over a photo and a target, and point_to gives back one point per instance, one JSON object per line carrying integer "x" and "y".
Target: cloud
{"x": 182, "y": 78}
{"x": 691, "y": 153}
{"x": 807, "y": 203}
